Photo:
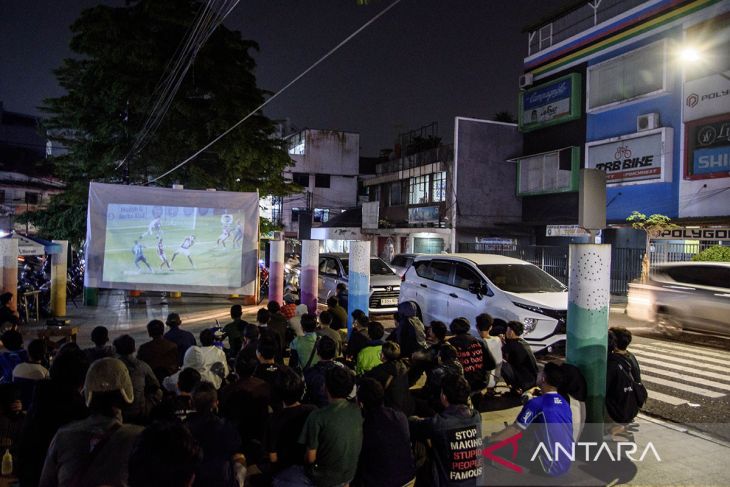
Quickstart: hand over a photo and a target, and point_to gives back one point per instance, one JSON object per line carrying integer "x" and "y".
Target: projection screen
{"x": 160, "y": 239}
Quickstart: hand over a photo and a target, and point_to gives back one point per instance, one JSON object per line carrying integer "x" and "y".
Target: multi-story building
{"x": 640, "y": 90}
{"x": 25, "y": 179}
{"x": 326, "y": 166}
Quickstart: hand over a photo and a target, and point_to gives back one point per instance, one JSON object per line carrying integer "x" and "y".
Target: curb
{"x": 684, "y": 429}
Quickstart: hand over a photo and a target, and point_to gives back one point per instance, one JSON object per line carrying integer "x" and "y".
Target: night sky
{"x": 423, "y": 61}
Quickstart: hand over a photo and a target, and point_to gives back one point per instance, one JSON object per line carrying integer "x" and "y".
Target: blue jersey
{"x": 137, "y": 249}
{"x": 550, "y": 421}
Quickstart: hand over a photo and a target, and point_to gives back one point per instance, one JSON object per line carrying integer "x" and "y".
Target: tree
{"x": 652, "y": 226}
{"x": 716, "y": 253}
{"x": 121, "y": 53}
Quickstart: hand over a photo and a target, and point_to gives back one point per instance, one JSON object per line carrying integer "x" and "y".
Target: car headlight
{"x": 530, "y": 324}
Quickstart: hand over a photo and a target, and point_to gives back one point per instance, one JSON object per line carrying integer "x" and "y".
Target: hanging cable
{"x": 275, "y": 95}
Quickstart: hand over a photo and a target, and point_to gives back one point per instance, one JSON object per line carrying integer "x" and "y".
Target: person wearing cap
{"x": 100, "y": 338}
{"x": 182, "y": 338}
{"x": 94, "y": 451}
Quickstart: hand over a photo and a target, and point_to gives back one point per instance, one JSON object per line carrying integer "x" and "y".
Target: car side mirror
{"x": 480, "y": 289}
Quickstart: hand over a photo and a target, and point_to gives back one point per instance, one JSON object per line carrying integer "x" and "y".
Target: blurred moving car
{"x": 444, "y": 287}
{"x": 684, "y": 296}
{"x": 384, "y": 283}
{"x": 401, "y": 262}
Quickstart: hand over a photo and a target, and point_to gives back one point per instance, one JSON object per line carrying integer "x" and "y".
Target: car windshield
{"x": 377, "y": 267}
{"x": 521, "y": 278}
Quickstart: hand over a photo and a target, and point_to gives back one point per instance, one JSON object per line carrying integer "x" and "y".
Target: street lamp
{"x": 692, "y": 55}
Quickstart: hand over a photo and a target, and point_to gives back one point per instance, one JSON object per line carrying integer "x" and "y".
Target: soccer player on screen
{"x": 161, "y": 254}
{"x": 138, "y": 252}
{"x": 238, "y": 235}
{"x": 154, "y": 228}
{"x": 185, "y": 249}
{"x": 225, "y": 233}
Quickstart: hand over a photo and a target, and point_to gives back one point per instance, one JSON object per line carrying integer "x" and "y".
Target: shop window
{"x": 551, "y": 172}
{"x": 419, "y": 190}
{"x": 438, "y": 186}
{"x": 321, "y": 215}
{"x": 295, "y": 215}
{"x": 301, "y": 178}
{"x": 638, "y": 73}
{"x": 428, "y": 245}
{"x": 32, "y": 198}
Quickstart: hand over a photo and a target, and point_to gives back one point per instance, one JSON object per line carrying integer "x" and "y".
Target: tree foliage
{"x": 652, "y": 226}
{"x": 120, "y": 54}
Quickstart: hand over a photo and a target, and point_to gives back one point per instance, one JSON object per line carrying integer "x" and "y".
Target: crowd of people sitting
{"x": 293, "y": 400}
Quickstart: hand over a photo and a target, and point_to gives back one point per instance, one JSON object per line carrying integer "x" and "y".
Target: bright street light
{"x": 689, "y": 54}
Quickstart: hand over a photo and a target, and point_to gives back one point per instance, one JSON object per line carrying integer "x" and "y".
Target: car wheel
{"x": 668, "y": 325}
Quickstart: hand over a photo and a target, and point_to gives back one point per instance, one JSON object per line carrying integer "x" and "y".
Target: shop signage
{"x": 566, "y": 231}
{"x": 708, "y": 149}
{"x": 370, "y": 214}
{"x": 682, "y": 233}
{"x": 554, "y": 102}
{"x": 423, "y": 214}
{"x": 705, "y": 97}
{"x": 635, "y": 158}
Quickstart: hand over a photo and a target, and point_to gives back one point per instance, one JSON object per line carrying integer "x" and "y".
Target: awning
{"x": 35, "y": 246}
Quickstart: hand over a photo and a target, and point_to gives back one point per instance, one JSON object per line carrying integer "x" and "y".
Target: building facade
{"x": 639, "y": 90}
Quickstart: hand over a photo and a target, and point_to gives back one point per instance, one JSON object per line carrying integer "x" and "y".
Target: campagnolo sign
{"x": 554, "y": 102}
{"x": 682, "y": 233}
{"x": 634, "y": 158}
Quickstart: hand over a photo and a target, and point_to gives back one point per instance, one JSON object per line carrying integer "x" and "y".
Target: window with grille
{"x": 438, "y": 186}
{"x": 552, "y": 172}
{"x": 419, "y": 190}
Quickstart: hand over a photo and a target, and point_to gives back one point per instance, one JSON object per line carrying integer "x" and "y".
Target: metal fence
{"x": 625, "y": 262}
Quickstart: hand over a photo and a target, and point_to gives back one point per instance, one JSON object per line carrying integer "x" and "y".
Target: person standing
{"x": 138, "y": 251}
{"x": 182, "y": 338}
{"x": 159, "y": 353}
{"x": 234, "y": 330}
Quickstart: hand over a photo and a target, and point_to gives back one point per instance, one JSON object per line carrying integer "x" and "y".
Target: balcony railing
{"x": 444, "y": 153}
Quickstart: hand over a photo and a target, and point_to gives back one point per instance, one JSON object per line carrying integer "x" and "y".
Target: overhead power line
{"x": 275, "y": 95}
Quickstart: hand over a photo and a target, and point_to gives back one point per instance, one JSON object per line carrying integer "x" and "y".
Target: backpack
{"x": 626, "y": 396}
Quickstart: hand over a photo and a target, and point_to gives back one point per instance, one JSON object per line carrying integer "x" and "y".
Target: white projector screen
{"x": 160, "y": 239}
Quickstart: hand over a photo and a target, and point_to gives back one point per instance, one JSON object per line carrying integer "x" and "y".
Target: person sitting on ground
{"x": 71, "y": 459}
{"x": 314, "y": 377}
{"x": 457, "y": 428}
{"x": 214, "y": 359}
{"x": 575, "y": 389}
{"x": 386, "y": 458}
{"x": 339, "y": 314}
{"x": 358, "y": 338}
{"x": 285, "y": 426}
{"x": 267, "y": 369}
{"x": 165, "y": 454}
{"x": 8, "y": 317}
{"x": 448, "y": 364}
{"x": 100, "y": 338}
{"x": 245, "y": 403}
{"x": 425, "y": 360}
{"x": 545, "y": 420}
{"x": 250, "y": 342}
{"x": 303, "y": 348}
{"x": 193, "y": 360}
{"x": 474, "y": 357}
{"x": 621, "y": 362}
{"x": 11, "y": 355}
{"x": 392, "y": 375}
{"x": 290, "y": 306}
{"x": 56, "y": 402}
{"x": 325, "y": 323}
{"x": 12, "y": 415}
{"x": 182, "y": 338}
{"x": 234, "y": 330}
{"x": 519, "y": 369}
{"x": 178, "y": 406}
{"x": 332, "y": 436}
{"x": 33, "y": 369}
{"x": 295, "y": 323}
{"x": 369, "y": 356}
{"x": 146, "y": 387}
{"x": 223, "y": 462}
{"x": 159, "y": 353}
{"x": 410, "y": 334}
{"x": 494, "y": 344}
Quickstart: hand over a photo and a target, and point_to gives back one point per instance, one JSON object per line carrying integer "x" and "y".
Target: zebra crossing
{"x": 677, "y": 374}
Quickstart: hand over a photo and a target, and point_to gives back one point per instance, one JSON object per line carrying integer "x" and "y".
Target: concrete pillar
{"x": 411, "y": 244}
{"x": 358, "y": 293}
{"x": 589, "y": 288}
{"x": 308, "y": 282}
{"x": 59, "y": 273}
{"x": 373, "y": 245}
{"x": 276, "y": 271}
{"x": 396, "y": 244}
{"x": 9, "y": 263}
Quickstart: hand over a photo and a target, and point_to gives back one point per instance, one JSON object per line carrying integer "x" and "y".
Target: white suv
{"x": 444, "y": 287}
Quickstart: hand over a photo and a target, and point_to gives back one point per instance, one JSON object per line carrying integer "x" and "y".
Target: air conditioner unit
{"x": 647, "y": 121}
{"x": 526, "y": 80}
